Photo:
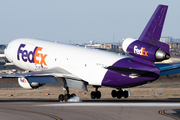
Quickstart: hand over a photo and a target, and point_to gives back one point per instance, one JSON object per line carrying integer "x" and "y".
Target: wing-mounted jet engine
{"x": 23, "y": 82}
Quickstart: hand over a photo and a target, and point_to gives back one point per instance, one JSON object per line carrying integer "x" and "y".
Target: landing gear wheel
{"x": 126, "y": 95}
{"x": 98, "y": 94}
{"x": 61, "y": 97}
{"x": 119, "y": 94}
{"x": 72, "y": 95}
{"x": 66, "y": 97}
{"x": 114, "y": 93}
{"x": 93, "y": 95}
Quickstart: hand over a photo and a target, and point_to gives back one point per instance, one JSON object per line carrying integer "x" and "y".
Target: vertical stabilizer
{"x": 148, "y": 49}
{"x": 153, "y": 29}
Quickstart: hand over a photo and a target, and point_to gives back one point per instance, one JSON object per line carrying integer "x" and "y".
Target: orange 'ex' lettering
{"x": 144, "y": 53}
{"x": 42, "y": 57}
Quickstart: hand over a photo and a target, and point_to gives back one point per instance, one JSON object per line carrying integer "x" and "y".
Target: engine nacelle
{"x": 144, "y": 50}
{"x": 23, "y": 82}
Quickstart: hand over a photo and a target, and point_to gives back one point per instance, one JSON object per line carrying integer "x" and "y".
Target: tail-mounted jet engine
{"x": 144, "y": 50}
{"x": 25, "y": 84}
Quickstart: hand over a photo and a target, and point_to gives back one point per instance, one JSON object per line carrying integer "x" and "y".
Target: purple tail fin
{"x": 153, "y": 29}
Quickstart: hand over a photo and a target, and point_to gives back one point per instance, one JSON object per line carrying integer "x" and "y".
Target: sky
{"x": 81, "y": 21}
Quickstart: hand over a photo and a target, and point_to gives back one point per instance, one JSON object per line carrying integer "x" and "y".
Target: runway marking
{"x": 52, "y": 116}
{"x": 162, "y": 112}
{"x": 117, "y": 104}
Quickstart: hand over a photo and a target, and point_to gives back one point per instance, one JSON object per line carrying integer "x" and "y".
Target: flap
{"x": 42, "y": 79}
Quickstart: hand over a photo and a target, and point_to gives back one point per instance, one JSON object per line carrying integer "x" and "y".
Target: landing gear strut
{"x": 120, "y": 93}
{"x": 96, "y": 93}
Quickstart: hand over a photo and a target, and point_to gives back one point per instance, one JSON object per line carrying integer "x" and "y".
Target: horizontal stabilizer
{"x": 168, "y": 68}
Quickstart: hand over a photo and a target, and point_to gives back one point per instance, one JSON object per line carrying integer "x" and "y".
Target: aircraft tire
{"x": 66, "y": 97}
{"x": 61, "y": 97}
{"x": 93, "y": 95}
{"x": 126, "y": 94}
{"x": 114, "y": 93}
{"x": 98, "y": 94}
{"x": 72, "y": 95}
{"x": 119, "y": 94}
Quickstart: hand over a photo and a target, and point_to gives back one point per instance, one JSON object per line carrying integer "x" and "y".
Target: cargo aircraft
{"x": 78, "y": 67}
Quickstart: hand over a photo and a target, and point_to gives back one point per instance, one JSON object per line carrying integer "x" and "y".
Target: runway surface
{"x": 104, "y": 109}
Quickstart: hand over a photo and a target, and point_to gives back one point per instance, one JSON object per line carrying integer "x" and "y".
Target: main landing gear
{"x": 120, "y": 93}
{"x": 66, "y": 96}
{"x": 96, "y": 93}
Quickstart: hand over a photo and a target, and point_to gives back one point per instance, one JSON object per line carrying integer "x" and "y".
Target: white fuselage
{"x": 87, "y": 64}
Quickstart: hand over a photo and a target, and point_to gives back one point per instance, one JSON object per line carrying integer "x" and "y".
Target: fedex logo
{"x": 140, "y": 51}
{"x": 31, "y": 56}
{"x": 23, "y": 80}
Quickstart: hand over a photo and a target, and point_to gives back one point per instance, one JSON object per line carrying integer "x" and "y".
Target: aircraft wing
{"x": 45, "y": 76}
{"x": 168, "y": 68}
